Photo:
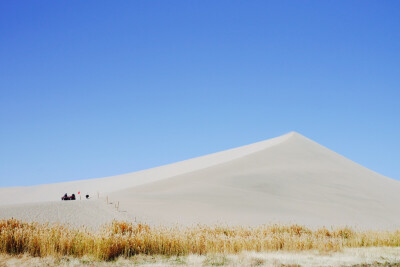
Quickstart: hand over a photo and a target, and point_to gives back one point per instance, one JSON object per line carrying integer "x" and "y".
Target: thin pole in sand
{"x": 107, "y": 200}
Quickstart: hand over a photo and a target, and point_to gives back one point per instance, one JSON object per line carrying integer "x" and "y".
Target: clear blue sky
{"x": 97, "y": 88}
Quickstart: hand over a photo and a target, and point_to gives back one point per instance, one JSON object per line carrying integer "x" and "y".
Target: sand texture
{"x": 90, "y": 214}
{"x": 288, "y": 179}
{"x": 355, "y": 257}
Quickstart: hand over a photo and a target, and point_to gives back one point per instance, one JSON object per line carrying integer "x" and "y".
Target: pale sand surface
{"x": 289, "y": 179}
{"x": 347, "y": 257}
{"x": 91, "y": 214}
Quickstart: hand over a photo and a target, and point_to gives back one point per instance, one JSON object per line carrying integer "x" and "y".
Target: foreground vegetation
{"x": 122, "y": 239}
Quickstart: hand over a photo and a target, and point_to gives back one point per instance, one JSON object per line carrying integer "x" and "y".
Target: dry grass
{"x": 121, "y": 239}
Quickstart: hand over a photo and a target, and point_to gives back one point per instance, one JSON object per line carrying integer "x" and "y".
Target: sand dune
{"x": 103, "y": 186}
{"x": 288, "y": 179}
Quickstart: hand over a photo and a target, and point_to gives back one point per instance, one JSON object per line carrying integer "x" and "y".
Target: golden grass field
{"x": 122, "y": 239}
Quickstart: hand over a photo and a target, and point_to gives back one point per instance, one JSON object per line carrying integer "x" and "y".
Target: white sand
{"x": 91, "y": 214}
{"x": 347, "y": 257}
{"x": 288, "y": 179}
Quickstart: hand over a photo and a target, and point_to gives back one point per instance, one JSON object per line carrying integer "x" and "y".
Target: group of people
{"x": 66, "y": 197}
{"x": 71, "y": 197}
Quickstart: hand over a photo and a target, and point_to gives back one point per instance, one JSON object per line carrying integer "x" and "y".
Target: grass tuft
{"x": 123, "y": 239}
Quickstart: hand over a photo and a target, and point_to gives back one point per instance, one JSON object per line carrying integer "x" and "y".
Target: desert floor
{"x": 384, "y": 256}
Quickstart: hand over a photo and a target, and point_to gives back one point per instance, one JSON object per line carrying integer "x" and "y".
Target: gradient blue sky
{"x": 97, "y": 88}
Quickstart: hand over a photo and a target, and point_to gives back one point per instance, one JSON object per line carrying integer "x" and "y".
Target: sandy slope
{"x": 285, "y": 179}
{"x": 90, "y": 213}
{"x": 296, "y": 181}
{"x": 103, "y": 186}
